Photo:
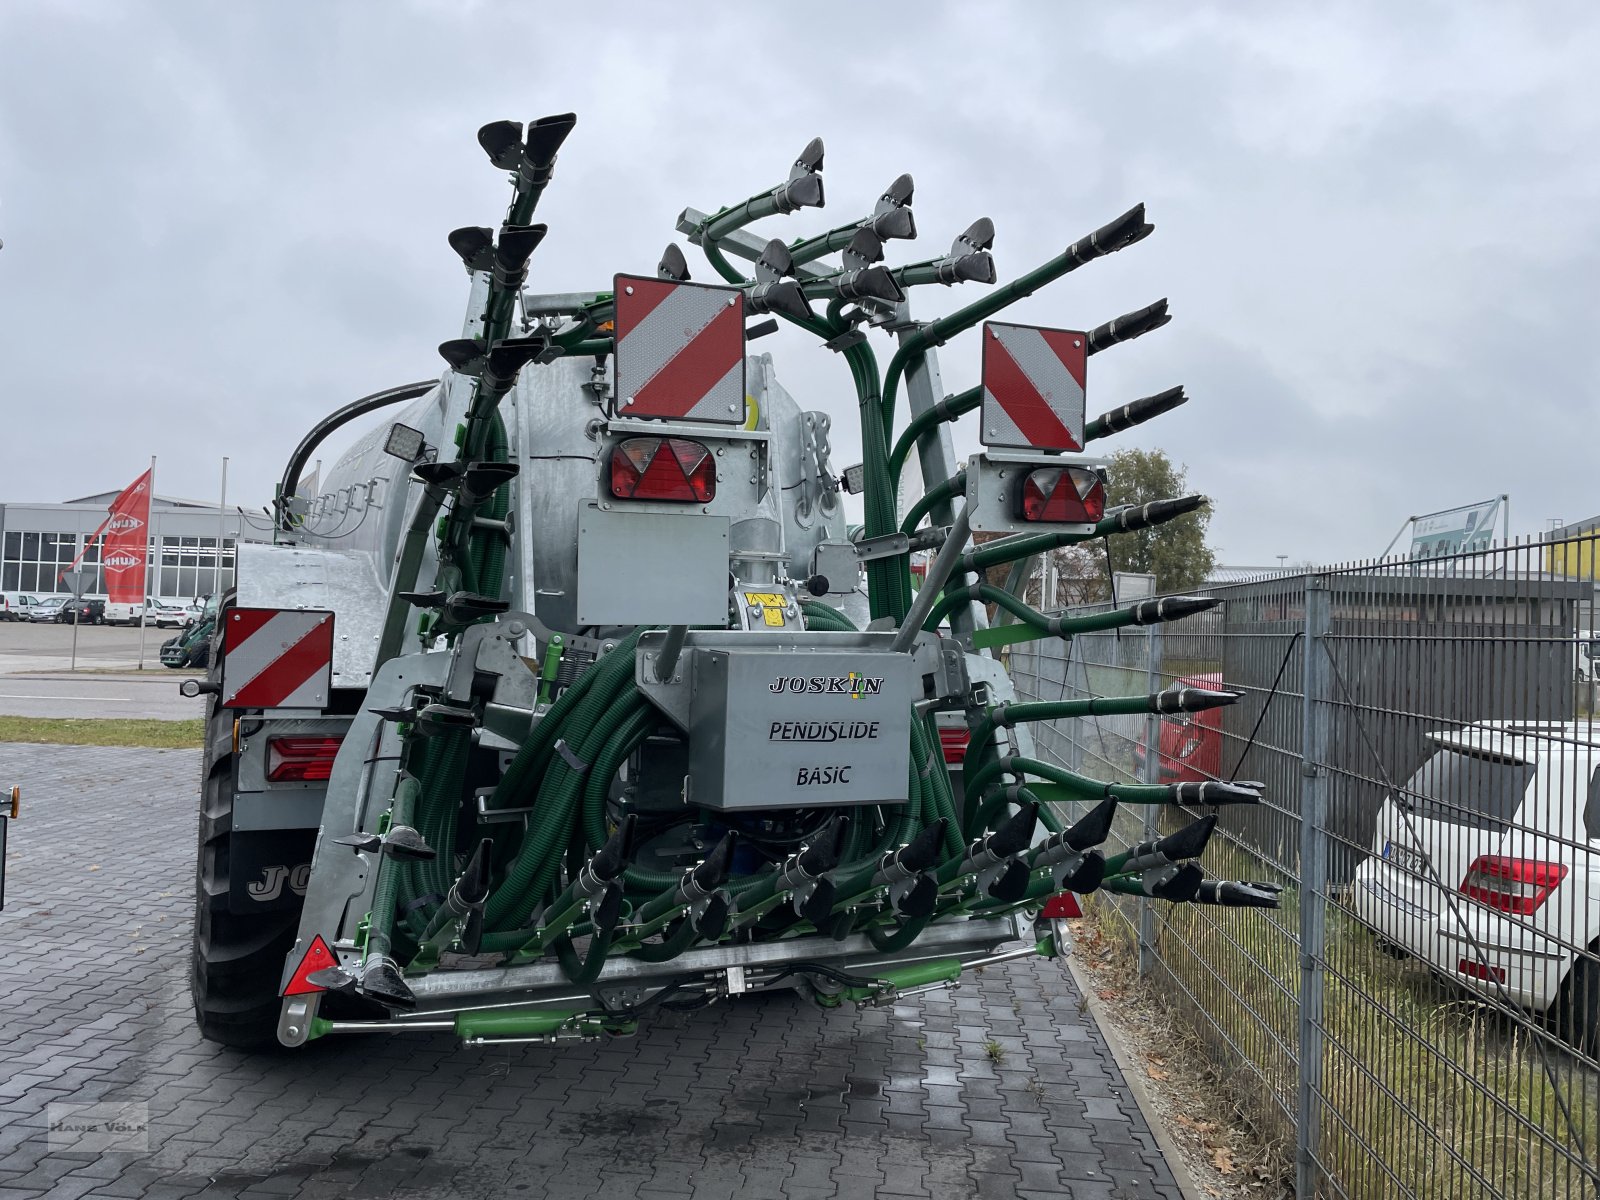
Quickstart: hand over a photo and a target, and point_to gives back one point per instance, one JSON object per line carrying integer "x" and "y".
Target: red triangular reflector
{"x": 663, "y": 477}
{"x": 317, "y": 957}
{"x": 1061, "y": 905}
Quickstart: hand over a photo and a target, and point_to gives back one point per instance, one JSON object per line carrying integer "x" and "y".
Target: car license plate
{"x": 1407, "y": 859}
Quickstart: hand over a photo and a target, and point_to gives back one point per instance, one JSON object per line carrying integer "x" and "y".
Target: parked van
{"x": 1487, "y": 867}
{"x": 159, "y": 614}
{"x": 16, "y": 606}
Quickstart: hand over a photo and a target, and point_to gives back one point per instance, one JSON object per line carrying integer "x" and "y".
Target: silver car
{"x": 46, "y": 610}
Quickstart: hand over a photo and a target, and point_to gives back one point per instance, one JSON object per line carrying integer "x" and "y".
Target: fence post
{"x": 1152, "y": 774}
{"x": 1316, "y": 720}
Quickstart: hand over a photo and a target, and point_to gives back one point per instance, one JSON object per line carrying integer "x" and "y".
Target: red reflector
{"x": 301, "y": 759}
{"x": 317, "y": 958}
{"x": 1061, "y": 495}
{"x": 672, "y": 469}
{"x": 953, "y": 740}
{"x": 1512, "y": 885}
{"x": 1479, "y": 971}
{"x": 1062, "y": 904}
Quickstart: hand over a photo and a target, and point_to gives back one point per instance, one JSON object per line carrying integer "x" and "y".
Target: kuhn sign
{"x": 127, "y": 543}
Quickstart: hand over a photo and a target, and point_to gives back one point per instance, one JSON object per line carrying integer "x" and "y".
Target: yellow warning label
{"x": 771, "y": 604}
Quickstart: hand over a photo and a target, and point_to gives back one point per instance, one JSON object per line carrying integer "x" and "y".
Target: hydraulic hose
{"x": 947, "y": 409}
{"x": 948, "y": 489}
{"x": 319, "y": 431}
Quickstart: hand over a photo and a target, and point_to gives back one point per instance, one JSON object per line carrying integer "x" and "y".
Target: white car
{"x": 167, "y": 614}
{"x": 1487, "y": 867}
{"x": 122, "y": 614}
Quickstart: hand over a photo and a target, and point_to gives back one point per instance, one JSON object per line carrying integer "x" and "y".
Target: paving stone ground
{"x": 1004, "y": 1088}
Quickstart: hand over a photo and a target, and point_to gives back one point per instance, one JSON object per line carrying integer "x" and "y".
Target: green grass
{"x": 1415, "y": 1076}
{"x": 76, "y": 731}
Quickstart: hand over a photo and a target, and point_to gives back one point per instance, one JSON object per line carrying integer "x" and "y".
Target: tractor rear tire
{"x": 238, "y": 958}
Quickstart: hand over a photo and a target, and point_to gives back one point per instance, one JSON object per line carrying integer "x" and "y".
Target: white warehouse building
{"x": 39, "y": 541}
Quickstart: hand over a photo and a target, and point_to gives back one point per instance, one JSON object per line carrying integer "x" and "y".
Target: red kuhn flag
{"x": 127, "y": 542}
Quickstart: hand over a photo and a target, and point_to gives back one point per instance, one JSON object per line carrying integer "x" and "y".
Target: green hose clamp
{"x": 552, "y": 663}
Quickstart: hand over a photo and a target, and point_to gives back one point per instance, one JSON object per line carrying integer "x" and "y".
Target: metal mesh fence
{"x": 1421, "y": 1017}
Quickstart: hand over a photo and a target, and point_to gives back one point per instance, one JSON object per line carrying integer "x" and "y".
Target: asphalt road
{"x": 36, "y": 679}
{"x": 1005, "y": 1088}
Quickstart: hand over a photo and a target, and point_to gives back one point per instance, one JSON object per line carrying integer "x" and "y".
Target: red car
{"x": 1191, "y": 743}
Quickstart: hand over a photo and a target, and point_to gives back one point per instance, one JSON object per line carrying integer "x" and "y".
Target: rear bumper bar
{"x": 626, "y": 981}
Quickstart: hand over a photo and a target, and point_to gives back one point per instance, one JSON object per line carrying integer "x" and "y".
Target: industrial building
{"x": 1574, "y": 550}
{"x": 39, "y": 541}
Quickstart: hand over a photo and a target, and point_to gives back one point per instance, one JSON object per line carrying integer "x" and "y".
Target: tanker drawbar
{"x": 571, "y": 696}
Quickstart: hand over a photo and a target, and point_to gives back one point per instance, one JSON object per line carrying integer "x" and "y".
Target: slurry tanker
{"x": 573, "y": 695}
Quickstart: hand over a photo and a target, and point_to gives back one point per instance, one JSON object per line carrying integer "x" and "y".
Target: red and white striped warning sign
{"x": 1033, "y": 386}
{"x": 680, "y": 350}
{"x": 276, "y": 658}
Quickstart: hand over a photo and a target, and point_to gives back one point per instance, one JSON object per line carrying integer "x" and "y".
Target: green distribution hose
{"x": 1116, "y": 618}
{"x": 379, "y": 936}
{"x": 958, "y": 405}
{"x": 954, "y": 486}
{"x": 1007, "y": 715}
{"x": 888, "y": 580}
{"x": 485, "y": 571}
{"x": 564, "y": 771}
{"x": 1108, "y": 239}
{"x": 947, "y": 409}
{"x": 567, "y": 767}
{"x": 555, "y": 803}
{"x": 1082, "y": 785}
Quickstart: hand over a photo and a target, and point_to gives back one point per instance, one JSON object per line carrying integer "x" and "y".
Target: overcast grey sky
{"x": 1377, "y": 224}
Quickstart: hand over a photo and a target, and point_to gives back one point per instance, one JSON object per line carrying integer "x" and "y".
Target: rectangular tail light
{"x": 670, "y": 470}
{"x": 1513, "y": 885}
{"x": 1478, "y": 970}
{"x": 1061, "y": 495}
{"x": 301, "y": 759}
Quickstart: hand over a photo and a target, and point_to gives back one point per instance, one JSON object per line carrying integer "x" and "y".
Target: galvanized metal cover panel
{"x": 992, "y": 479}
{"x": 799, "y": 728}
{"x": 307, "y": 577}
{"x": 638, "y": 568}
